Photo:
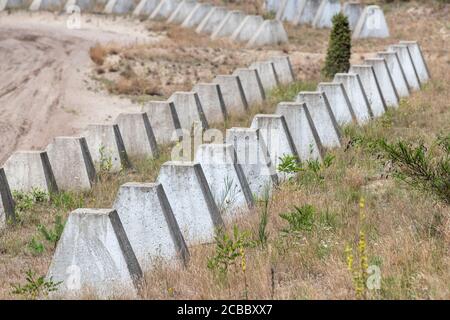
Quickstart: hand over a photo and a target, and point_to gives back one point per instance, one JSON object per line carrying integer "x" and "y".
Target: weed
{"x": 35, "y": 286}
{"x": 300, "y": 220}
{"x": 53, "y": 235}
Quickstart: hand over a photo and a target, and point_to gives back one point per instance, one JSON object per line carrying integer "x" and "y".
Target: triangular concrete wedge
{"x": 150, "y": 224}
{"x": 283, "y": 69}
{"x": 418, "y": 59}
{"x": 164, "y": 121}
{"x": 247, "y": 29}
{"x": 228, "y": 25}
{"x": 288, "y": 9}
{"x": 182, "y": 11}
{"x": 385, "y": 81}
{"x": 371, "y": 87}
{"x": 371, "y": 24}
{"x": 339, "y": 102}
{"x": 6, "y": 202}
{"x": 164, "y": 10}
{"x": 323, "y": 118}
{"x": 94, "y": 256}
{"x": 191, "y": 200}
{"x": 197, "y": 15}
{"x": 14, "y": 4}
{"x": 252, "y": 85}
{"x": 211, "y": 99}
{"x": 267, "y": 73}
{"x": 212, "y": 20}
{"x": 307, "y": 11}
{"x": 47, "y": 5}
{"x": 189, "y": 109}
{"x": 302, "y": 130}
{"x": 271, "y": 32}
{"x": 233, "y": 93}
{"x": 30, "y": 170}
{"x": 396, "y": 71}
{"x": 73, "y": 6}
{"x": 325, "y": 13}
{"x": 119, "y": 6}
{"x": 356, "y": 95}
{"x": 353, "y": 10}
{"x": 146, "y": 7}
{"x": 404, "y": 55}
{"x": 225, "y": 177}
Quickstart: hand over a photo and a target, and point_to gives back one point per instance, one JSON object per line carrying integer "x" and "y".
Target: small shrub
{"x": 301, "y": 219}
{"x": 98, "y": 54}
{"x": 53, "y": 235}
{"x": 35, "y": 287}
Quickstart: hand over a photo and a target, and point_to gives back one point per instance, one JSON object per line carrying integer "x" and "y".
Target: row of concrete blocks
{"x": 365, "y": 21}
{"x": 108, "y": 250}
{"x": 215, "y": 21}
{"x": 72, "y": 163}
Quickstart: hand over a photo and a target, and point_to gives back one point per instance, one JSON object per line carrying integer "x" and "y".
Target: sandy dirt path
{"x": 45, "y": 87}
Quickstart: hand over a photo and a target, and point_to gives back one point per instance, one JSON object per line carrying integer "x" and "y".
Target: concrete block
{"x": 356, "y": 94}
{"x": 271, "y": 32}
{"x": 197, "y": 15}
{"x": 192, "y": 202}
{"x": 302, "y": 129}
{"x": 233, "y": 93}
{"x": 84, "y": 5}
{"x": 164, "y": 121}
{"x": 47, "y": 5}
{"x": 283, "y": 69}
{"x": 289, "y": 9}
{"x": 28, "y": 170}
{"x": 418, "y": 59}
{"x": 307, "y": 12}
{"x": 182, "y": 11}
{"x": 254, "y": 159}
{"x": 189, "y": 109}
{"x": 150, "y": 224}
{"x": 247, "y": 29}
{"x": 6, "y": 201}
{"x": 372, "y": 88}
{"x": 212, "y": 102}
{"x": 371, "y": 24}
{"x": 137, "y": 135}
{"x": 226, "y": 179}
{"x": 385, "y": 82}
{"x": 252, "y": 85}
{"x": 14, "y": 4}
{"x": 339, "y": 102}
{"x": 146, "y": 7}
{"x": 94, "y": 255}
{"x": 71, "y": 163}
{"x": 353, "y": 10}
{"x": 277, "y": 137}
{"x": 164, "y": 10}
{"x": 396, "y": 71}
{"x": 272, "y": 5}
{"x": 267, "y": 73}
{"x": 228, "y": 25}
{"x": 106, "y": 145}
{"x": 323, "y": 118}
{"x": 327, "y": 10}
{"x": 120, "y": 6}
{"x": 212, "y": 20}
{"x": 404, "y": 55}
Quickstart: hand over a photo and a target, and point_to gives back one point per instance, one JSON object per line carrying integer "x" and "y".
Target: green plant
{"x": 264, "y": 219}
{"x": 289, "y": 164}
{"x": 309, "y": 170}
{"x": 67, "y": 200}
{"x": 36, "y": 246}
{"x": 301, "y": 219}
{"x": 339, "y": 47}
{"x": 228, "y": 197}
{"x": 24, "y": 201}
{"x": 105, "y": 160}
{"x": 35, "y": 286}
{"x": 53, "y": 235}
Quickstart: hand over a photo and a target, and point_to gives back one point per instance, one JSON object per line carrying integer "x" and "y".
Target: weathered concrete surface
{"x": 283, "y": 69}
{"x": 247, "y": 29}
{"x": 323, "y": 118}
{"x": 385, "y": 81}
{"x": 48, "y": 5}
{"x": 163, "y": 120}
{"x": 356, "y": 95}
{"x": 226, "y": 179}
{"x": 396, "y": 71}
{"x": 182, "y": 11}
{"x": 146, "y": 7}
{"x": 192, "y": 201}
{"x": 307, "y": 11}
{"x": 275, "y": 133}
{"x": 212, "y": 20}
{"x": 164, "y": 10}
{"x": 28, "y": 170}
{"x": 150, "y": 224}
{"x": 6, "y": 201}
{"x": 267, "y": 73}
{"x": 120, "y": 6}
{"x": 189, "y": 109}
{"x": 271, "y": 32}
{"x": 272, "y": 5}
{"x": 339, "y": 102}
{"x": 404, "y": 55}
{"x": 418, "y": 59}
{"x": 327, "y": 10}
{"x": 233, "y": 93}
{"x": 371, "y": 24}
{"x": 197, "y": 14}
{"x": 252, "y": 85}
{"x": 353, "y": 10}
{"x": 302, "y": 130}
{"x": 137, "y": 134}
{"x": 71, "y": 163}
{"x": 83, "y": 5}
{"x": 212, "y": 102}
{"x": 254, "y": 159}
{"x": 106, "y": 145}
{"x": 94, "y": 256}
{"x": 14, "y": 4}
{"x": 289, "y": 9}
{"x": 229, "y": 24}
{"x": 371, "y": 87}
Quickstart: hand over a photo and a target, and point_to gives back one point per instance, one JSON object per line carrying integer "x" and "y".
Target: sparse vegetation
{"x": 35, "y": 287}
